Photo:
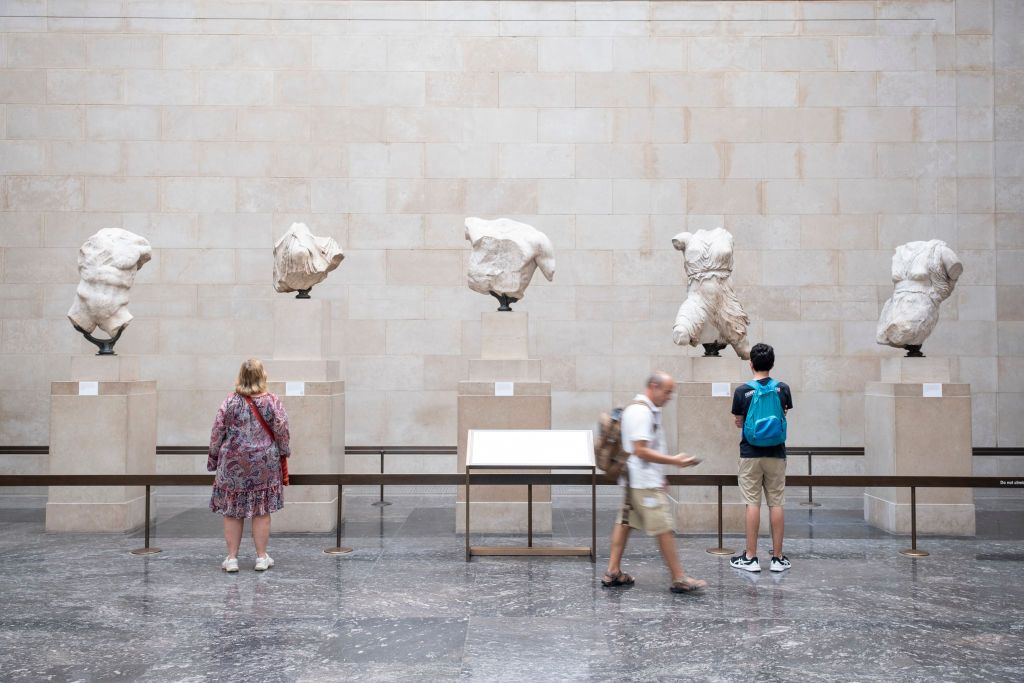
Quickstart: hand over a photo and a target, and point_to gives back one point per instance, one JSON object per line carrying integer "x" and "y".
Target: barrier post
{"x": 529, "y": 515}
{"x": 381, "y": 502}
{"x": 913, "y": 550}
{"x": 719, "y": 550}
{"x": 338, "y": 548}
{"x": 810, "y": 489}
{"x": 146, "y": 550}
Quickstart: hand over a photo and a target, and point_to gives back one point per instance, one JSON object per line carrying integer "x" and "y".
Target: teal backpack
{"x": 765, "y": 424}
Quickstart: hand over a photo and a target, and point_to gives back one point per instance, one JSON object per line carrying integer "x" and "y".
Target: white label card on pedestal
{"x": 88, "y": 388}
{"x": 931, "y": 390}
{"x": 720, "y": 389}
{"x": 294, "y": 388}
{"x": 504, "y": 388}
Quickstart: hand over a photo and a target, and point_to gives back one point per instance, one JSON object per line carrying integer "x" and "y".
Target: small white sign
{"x": 88, "y": 388}
{"x": 294, "y": 388}
{"x": 931, "y": 390}
{"x": 720, "y": 389}
{"x": 504, "y": 388}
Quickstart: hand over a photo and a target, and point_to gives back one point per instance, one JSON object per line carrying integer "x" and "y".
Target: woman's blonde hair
{"x": 252, "y": 378}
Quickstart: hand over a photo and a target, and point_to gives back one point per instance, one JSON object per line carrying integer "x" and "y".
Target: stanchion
{"x": 719, "y": 550}
{"x": 529, "y": 515}
{"x": 381, "y": 502}
{"x": 146, "y": 550}
{"x": 338, "y": 548}
{"x": 810, "y": 489}
{"x": 913, "y": 551}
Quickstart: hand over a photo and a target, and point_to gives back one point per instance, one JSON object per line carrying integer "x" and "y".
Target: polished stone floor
{"x": 406, "y": 606}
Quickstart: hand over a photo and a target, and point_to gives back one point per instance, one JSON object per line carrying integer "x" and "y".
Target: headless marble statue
{"x": 107, "y": 264}
{"x": 302, "y": 260}
{"x": 925, "y": 274}
{"x": 505, "y": 254}
{"x": 711, "y": 314}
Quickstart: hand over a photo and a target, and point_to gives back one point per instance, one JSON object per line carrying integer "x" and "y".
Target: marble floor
{"x": 406, "y": 606}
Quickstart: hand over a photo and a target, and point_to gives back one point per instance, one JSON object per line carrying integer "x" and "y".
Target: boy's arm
{"x": 737, "y": 407}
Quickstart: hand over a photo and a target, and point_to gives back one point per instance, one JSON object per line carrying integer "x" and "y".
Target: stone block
{"x": 113, "y": 432}
{"x": 907, "y": 434}
{"x": 502, "y": 509}
{"x": 316, "y": 423}
{"x": 302, "y": 328}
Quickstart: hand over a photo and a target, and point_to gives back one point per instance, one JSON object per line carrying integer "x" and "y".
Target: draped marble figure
{"x": 302, "y": 260}
{"x": 924, "y": 274}
{"x": 711, "y": 314}
{"x": 107, "y": 264}
{"x": 505, "y": 255}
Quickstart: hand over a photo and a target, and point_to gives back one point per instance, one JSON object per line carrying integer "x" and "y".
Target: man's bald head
{"x": 660, "y": 387}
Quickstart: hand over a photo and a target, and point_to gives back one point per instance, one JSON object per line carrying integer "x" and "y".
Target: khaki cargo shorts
{"x": 648, "y": 510}
{"x": 763, "y": 473}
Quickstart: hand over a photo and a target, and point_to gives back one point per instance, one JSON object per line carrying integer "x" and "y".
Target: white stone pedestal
{"x": 314, "y": 397}
{"x": 504, "y": 358}
{"x": 907, "y": 433}
{"x": 112, "y": 432}
{"x": 706, "y": 429}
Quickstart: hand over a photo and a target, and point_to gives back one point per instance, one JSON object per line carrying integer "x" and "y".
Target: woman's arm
{"x": 280, "y": 427}
{"x": 217, "y": 436}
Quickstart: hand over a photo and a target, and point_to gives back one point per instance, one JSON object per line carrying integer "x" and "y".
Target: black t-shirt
{"x": 740, "y": 405}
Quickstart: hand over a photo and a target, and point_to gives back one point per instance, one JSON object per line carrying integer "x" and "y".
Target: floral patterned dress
{"x": 247, "y": 461}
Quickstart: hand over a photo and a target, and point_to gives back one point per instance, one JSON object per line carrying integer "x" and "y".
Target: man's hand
{"x": 738, "y": 419}
{"x": 684, "y": 460}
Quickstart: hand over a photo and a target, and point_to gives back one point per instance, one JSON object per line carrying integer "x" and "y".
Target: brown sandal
{"x": 617, "y": 579}
{"x": 687, "y": 585}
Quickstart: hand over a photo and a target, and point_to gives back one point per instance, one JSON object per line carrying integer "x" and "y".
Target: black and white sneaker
{"x": 749, "y": 564}
{"x": 780, "y": 564}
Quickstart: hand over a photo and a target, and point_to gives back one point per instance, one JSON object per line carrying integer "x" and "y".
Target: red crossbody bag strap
{"x": 270, "y": 432}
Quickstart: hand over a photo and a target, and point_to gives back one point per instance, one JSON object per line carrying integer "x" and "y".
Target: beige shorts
{"x": 763, "y": 473}
{"x": 648, "y": 510}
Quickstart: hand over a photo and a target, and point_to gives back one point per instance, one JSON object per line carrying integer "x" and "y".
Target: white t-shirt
{"x": 641, "y": 423}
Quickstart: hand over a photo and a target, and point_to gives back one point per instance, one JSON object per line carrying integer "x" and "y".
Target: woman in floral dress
{"x": 246, "y": 453}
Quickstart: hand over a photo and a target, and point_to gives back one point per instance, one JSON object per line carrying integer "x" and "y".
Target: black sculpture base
{"x": 712, "y": 348}
{"x": 304, "y": 294}
{"x": 913, "y": 351}
{"x": 505, "y": 300}
{"x": 105, "y": 346}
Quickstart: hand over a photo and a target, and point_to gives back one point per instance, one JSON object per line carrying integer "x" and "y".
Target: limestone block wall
{"x": 822, "y": 134}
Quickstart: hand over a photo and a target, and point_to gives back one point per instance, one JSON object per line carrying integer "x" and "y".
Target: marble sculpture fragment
{"x": 302, "y": 260}
{"x": 505, "y": 255}
{"x": 711, "y": 314}
{"x": 107, "y": 264}
{"x": 924, "y": 274}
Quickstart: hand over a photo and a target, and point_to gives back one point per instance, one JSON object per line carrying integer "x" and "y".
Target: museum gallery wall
{"x": 818, "y": 137}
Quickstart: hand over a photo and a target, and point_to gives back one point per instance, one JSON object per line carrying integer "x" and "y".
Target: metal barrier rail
{"x": 397, "y": 450}
{"x": 519, "y": 478}
{"x": 978, "y": 451}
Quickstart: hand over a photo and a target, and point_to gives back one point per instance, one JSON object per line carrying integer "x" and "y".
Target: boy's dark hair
{"x": 762, "y": 357}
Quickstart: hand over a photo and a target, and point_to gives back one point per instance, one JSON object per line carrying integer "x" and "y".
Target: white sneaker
{"x": 264, "y": 563}
{"x": 230, "y": 565}
{"x": 780, "y": 564}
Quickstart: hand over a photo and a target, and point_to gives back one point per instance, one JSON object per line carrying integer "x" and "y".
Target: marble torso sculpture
{"x": 505, "y": 254}
{"x": 302, "y": 260}
{"x": 711, "y": 314}
{"x": 107, "y": 264}
{"x": 925, "y": 274}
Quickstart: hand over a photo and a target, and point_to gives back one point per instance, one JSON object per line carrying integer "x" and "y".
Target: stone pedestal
{"x": 503, "y": 509}
{"x": 907, "y": 433}
{"x": 706, "y": 429}
{"x": 111, "y": 432}
{"x": 314, "y": 397}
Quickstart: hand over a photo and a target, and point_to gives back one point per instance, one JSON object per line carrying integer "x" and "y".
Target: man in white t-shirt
{"x": 645, "y": 505}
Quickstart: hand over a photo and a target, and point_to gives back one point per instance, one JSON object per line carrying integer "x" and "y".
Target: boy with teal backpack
{"x": 760, "y": 408}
